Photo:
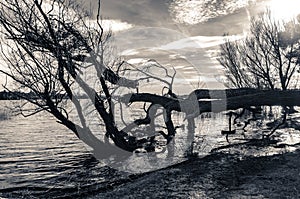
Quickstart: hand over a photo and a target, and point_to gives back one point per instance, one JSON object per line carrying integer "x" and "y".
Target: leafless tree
{"x": 267, "y": 58}
{"x": 49, "y": 46}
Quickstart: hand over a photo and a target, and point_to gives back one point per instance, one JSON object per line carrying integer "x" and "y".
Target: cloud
{"x": 198, "y": 11}
{"x": 129, "y": 52}
{"x": 138, "y": 12}
{"x": 115, "y": 25}
{"x": 109, "y": 24}
{"x": 145, "y": 37}
{"x": 199, "y": 42}
{"x": 136, "y": 61}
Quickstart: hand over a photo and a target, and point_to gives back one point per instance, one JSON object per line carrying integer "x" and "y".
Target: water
{"x": 41, "y": 158}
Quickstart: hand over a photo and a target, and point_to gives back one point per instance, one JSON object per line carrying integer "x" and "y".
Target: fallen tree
{"x": 230, "y": 99}
{"x": 49, "y": 47}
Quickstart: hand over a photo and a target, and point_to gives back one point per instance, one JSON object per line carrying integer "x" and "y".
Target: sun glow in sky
{"x": 285, "y": 9}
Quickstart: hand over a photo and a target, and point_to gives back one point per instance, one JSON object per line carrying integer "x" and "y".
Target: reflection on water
{"x": 39, "y": 156}
{"x": 4, "y": 114}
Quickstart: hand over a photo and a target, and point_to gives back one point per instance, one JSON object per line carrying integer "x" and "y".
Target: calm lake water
{"x": 41, "y": 158}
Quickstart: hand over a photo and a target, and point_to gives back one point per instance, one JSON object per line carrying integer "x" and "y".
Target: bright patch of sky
{"x": 137, "y": 61}
{"x": 115, "y": 25}
{"x": 284, "y": 10}
{"x": 129, "y": 52}
{"x": 199, "y": 42}
{"x": 197, "y": 11}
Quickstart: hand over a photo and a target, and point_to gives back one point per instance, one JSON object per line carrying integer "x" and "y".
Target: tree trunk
{"x": 229, "y": 99}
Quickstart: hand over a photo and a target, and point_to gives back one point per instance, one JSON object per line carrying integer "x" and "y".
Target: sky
{"x": 184, "y": 34}
{"x": 179, "y": 33}
{"x": 187, "y": 33}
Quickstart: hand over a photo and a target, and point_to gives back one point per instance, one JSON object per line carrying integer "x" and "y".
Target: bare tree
{"x": 49, "y": 47}
{"x": 267, "y": 58}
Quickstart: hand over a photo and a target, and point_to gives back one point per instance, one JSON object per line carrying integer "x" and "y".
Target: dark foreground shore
{"x": 218, "y": 176}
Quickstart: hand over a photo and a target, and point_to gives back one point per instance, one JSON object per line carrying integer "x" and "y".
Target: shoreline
{"x": 219, "y": 175}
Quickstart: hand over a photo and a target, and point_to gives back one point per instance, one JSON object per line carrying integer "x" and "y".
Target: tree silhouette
{"x": 48, "y": 47}
{"x": 50, "y": 50}
{"x": 267, "y": 58}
